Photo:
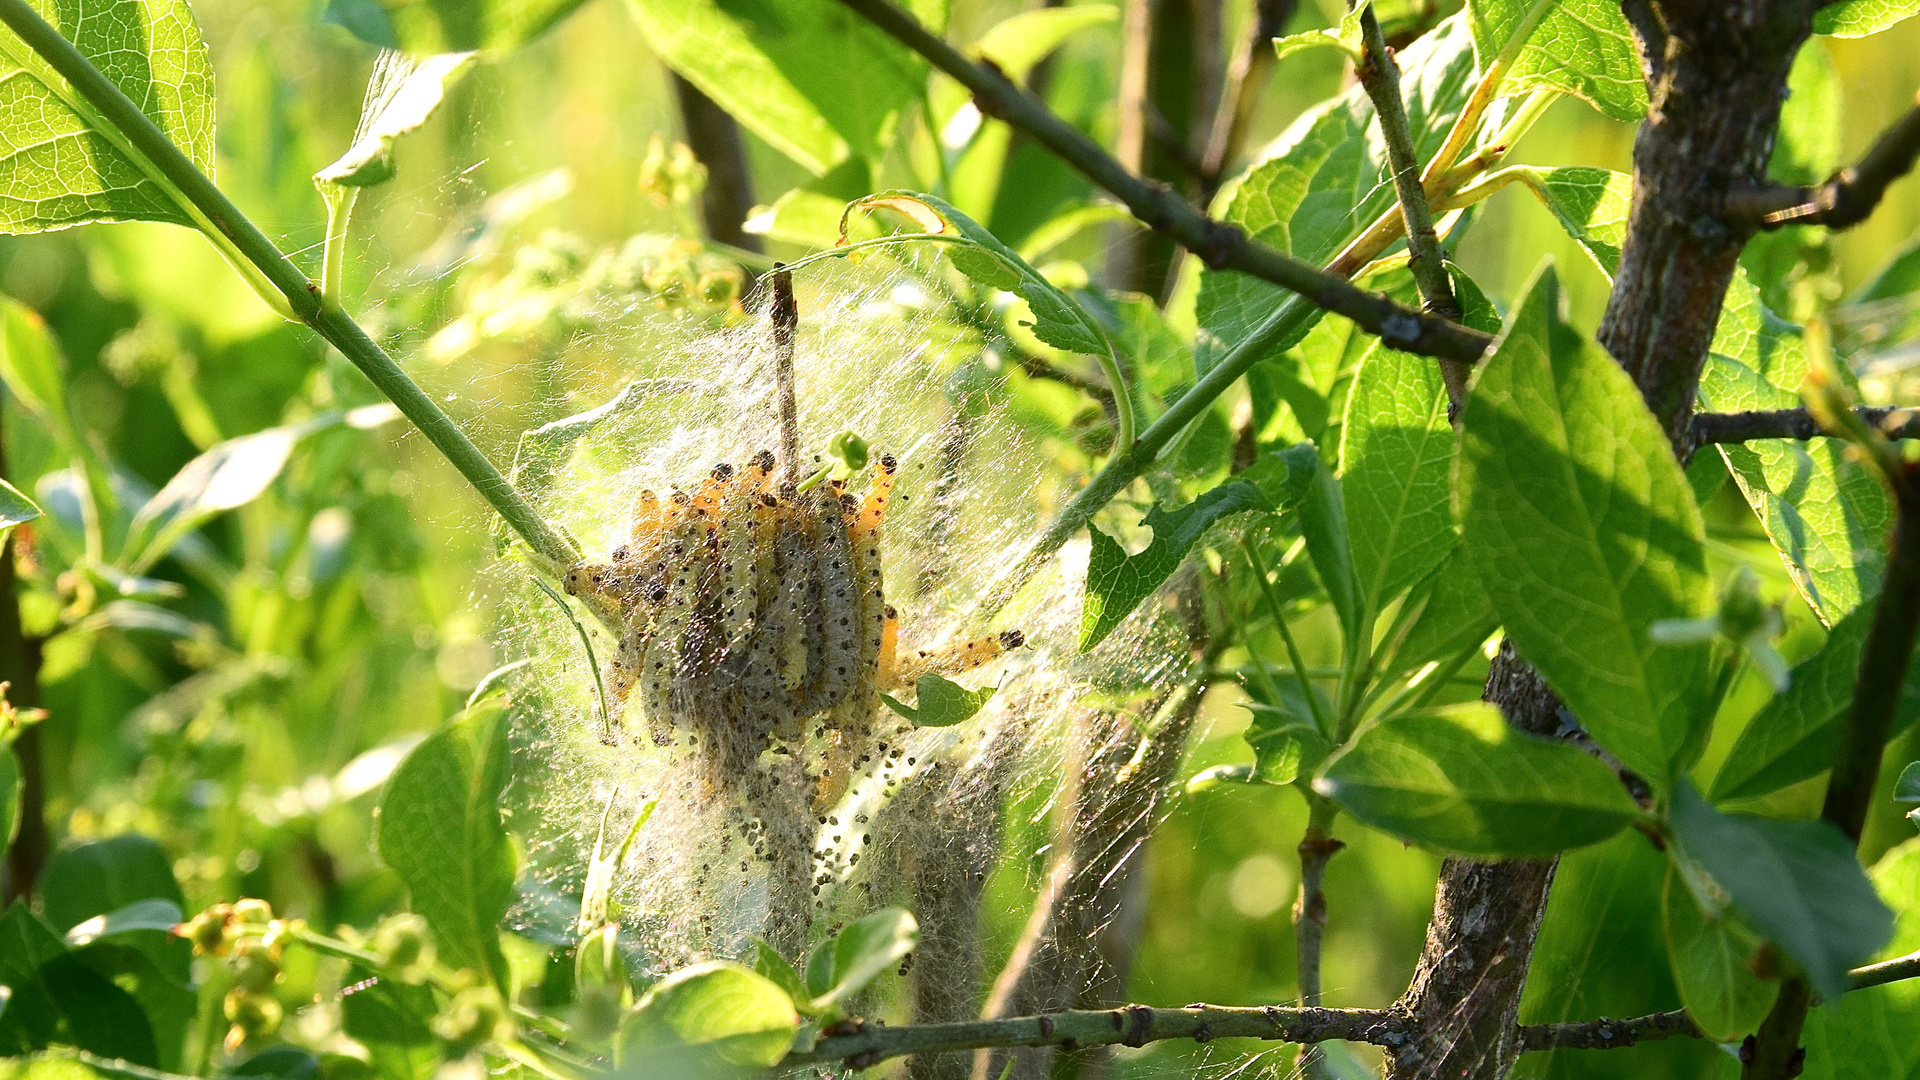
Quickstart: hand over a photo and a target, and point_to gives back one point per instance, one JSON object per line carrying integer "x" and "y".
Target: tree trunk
{"x": 1716, "y": 75}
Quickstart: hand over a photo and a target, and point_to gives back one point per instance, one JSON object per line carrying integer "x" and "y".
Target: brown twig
{"x": 1219, "y": 245}
{"x": 1317, "y": 848}
{"x": 1893, "y": 422}
{"x": 1380, "y": 75}
{"x": 1848, "y": 196}
{"x": 785, "y": 315}
{"x": 1604, "y": 1034}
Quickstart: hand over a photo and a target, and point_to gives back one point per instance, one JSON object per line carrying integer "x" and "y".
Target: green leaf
{"x": 1396, "y": 464}
{"x": 1581, "y": 47}
{"x": 1900, "y": 276}
{"x": 768, "y": 962}
{"x": 1345, "y": 37}
{"x": 440, "y": 830}
{"x": 716, "y": 1012}
{"x": 1795, "y": 735}
{"x": 60, "y": 163}
{"x": 1583, "y": 531}
{"x": 402, "y": 93}
{"x": 1462, "y": 779}
{"x": 768, "y": 64}
{"x": 1712, "y": 957}
{"x": 30, "y": 365}
{"x": 15, "y": 508}
{"x": 1591, "y": 205}
{"x": 1455, "y": 615}
{"x": 1020, "y": 41}
{"x": 1907, "y": 788}
{"x": 226, "y": 475}
{"x": 1859, "y": 18}
{"x": 1117, "y": 582}
{"x": 1323, "y": 524}
{"x": 843, "y": 965}
{"x": 1057, "y": 319}
{"x": 939, "y": 703}
{"x": 104, "y": 876}
{"x": 1796, "y": 882}
{"x": 56, "y": 998}
{"x": 421, "y": 28}
{"x": 1324, "y": 179}
{"x": 149, "y": 914}
{"x": 596, "y": 892}
{"x": 1286, "y": 743}
{"x": 1868, "y": 1034}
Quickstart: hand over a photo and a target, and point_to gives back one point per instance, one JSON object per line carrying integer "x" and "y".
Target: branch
{"x": 1252, "y": 61}
{"x": 785, "y": 316}
{"x": 1137, "y": 1025}
{"x": 1380, "y": 75}
{"x": 231, "y": 228}
{"x": 714, "y": 138}
{"x": 1604, "y": 1034}
{"x": 1129, "y": 1025}
{"x": 1847, "y": 198}
{"x": 1893, "y": 422}
{"x": 1886, "y": 971}
{"x": 1219, "y": 245}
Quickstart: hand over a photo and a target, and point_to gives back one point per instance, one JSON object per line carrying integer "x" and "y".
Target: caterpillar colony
{"x": 753, "y": 623}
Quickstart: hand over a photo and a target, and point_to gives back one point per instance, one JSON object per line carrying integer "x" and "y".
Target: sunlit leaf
{"x": 768, "y": 64}
{"x": 400, "y": 96}
{"x": 1582, "y": 47}
{"x": 1584, "y": 533}
{"x": 716, "y": 1011}
{"x": 15, "y": 508}
{"x": 1859, "y": 18}
{"x": 1463, "y": 780}
{"x": 852, "y": 958}
{"x": 1015, "y": 44}
{"x": 421, "y": 28}
{"x": 60, "y": 162}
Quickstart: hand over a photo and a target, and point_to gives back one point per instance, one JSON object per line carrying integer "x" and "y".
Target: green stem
{"x": 231, "y": 231}
{"x": 1286, "y": 634}
{"x": 339, "y": 199}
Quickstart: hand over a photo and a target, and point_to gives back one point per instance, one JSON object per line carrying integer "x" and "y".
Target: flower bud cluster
{"x": 254, "y": 944}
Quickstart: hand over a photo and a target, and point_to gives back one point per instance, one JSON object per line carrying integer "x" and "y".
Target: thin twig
{"x": 785, "y": 315}
{"x": 231, "y": 230}
{"x": 1893, "y": 422}
{"x": 1380, "y": 75}
{"x": 1137, "y": 1025}
{"x": 1317, "y": 848}
{"x": 1219, "y": 245}
{"x": 1847, "y": 198}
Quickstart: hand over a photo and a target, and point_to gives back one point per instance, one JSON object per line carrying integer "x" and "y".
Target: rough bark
{"x": 1464, "y": 999}
{"x": 714, "y": 138}
{"x": 1716, "y": 77}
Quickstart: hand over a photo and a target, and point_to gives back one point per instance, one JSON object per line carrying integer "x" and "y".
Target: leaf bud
{"x": 404, "y": 948}
{"x": 475, "y": 1015}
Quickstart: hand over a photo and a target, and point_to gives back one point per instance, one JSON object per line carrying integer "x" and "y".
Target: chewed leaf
{"x": 400, "y": 96}
{"x": 1117, "y": 581}
{"x": 939, "y": 703}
